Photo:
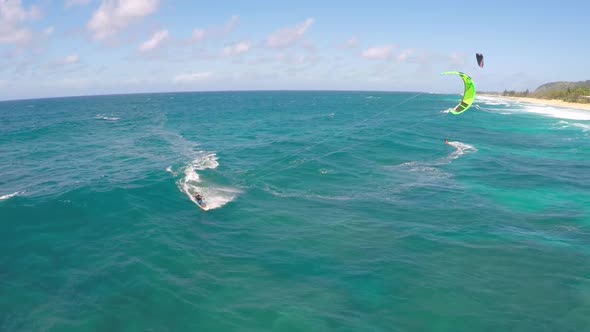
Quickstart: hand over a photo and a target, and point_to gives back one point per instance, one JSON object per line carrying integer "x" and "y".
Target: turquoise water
{"x": 330, "y": 211}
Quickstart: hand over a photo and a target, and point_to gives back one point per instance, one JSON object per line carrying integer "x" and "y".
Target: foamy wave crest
{"x": 5, "y": 197}
{"x": 494, "y": 101}
{"x": 215, "y": 196}
{"x": 106, "y": 118}
{"x": 583, "y": 126}
{"x": 557, "y": 112}
{"x": 460, "y": 149}
{"x": 169, "y": 170}
{"x": 564, "y": 124}
{"x": 208, "y": 161}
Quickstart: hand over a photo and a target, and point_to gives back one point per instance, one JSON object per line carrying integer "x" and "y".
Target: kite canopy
{"x": 468, "y": 94}
{"x": 479, "y": 58}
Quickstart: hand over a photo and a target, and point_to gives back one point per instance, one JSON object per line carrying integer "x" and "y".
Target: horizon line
{"x": 215, "y": 91}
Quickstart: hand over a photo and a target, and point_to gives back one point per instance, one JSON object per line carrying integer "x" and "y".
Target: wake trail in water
{"x": 215, "y": 196}
{"x": 9, "y": 196}
{"x": 460, "y": 150}
{"x": 429, "y": 173}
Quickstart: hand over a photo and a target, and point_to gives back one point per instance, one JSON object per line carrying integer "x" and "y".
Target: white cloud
{"x": 72, "y": 3}
{"x": 114, "y": 15}
{"x": 70, "y": 59}
{"x": 201, "y": 34}
{"x": 12, "y": 16}
{"x": 154, "y": 42}
{"x": 48, "y": 31}
{"x": 192, "y": 77}
{"x": 15, "y": 35}
{"x": 231, "y": 25}
{"x": 378, "y": 52}
{"x": 351, "y": 43}
{"x": 237, "y": 48}
{"x": 405, "y": 55}
{"x": 288, "y": 36}
{"x": 11, "y": 11}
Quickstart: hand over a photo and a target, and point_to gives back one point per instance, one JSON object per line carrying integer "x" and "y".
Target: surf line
{"x": 265, "y": 174}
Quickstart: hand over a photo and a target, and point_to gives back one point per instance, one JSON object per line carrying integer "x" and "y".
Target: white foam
{"x": 208, "y": 161}
{"x": 495, "y": 101}
{"x": 460, "y": 149}
{"x": 419, "y": 174}
{"x": 557, "y": 112}
{"x": 564, "y": 124}
{"x": 106, "y": 118}
{"x": 214, "y": 196}
{"x": 169, "y": 170}
{"x": 541, "y": 109}
{"x": 5, "y": 197}
{"x": 585, "y": 127}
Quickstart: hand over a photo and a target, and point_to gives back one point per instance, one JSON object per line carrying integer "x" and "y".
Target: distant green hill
{"x": 576, "y": 92}
{"x": 562, "y": 86}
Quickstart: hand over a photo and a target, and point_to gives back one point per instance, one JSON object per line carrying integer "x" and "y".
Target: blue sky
{"x": 79, "y": 47}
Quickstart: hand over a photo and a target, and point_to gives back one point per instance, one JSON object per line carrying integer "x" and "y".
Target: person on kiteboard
{"x": 199, "y": 198}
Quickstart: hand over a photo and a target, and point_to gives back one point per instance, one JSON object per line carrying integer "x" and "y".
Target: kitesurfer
{"x": 199, "y": 198}
{"x": 446, "y": 141}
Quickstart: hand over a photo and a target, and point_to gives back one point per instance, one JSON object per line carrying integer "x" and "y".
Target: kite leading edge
{"x": 468, "y": 94}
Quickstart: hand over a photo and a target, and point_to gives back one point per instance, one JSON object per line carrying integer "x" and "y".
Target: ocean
{"x": 329, "y": 211}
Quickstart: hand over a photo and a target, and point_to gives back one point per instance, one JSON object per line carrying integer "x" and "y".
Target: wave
{"x": 557, "y": 112}
{"x": 215, "y": 196}
{"x": 169, "y": 170}
{"x": 564, "y": 124}
{"x": 106, "y": 118}
{"x": 460, "y": 150}
{"x": 585, "y": 127}
{"x": 541, "y": 109}
{"x": 494, "y": 101}
{"x": 5, "y": 197}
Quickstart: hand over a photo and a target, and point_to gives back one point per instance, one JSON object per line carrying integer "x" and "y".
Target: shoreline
{"x": 543, "y": 102}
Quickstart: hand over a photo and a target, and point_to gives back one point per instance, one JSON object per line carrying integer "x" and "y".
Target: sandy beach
{"x": 545, "y": 102}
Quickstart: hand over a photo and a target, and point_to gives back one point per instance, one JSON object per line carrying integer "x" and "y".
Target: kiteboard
{"x": 202, "y": 205}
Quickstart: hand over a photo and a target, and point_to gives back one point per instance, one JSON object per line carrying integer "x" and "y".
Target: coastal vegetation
{"x": 575, "y": 92}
